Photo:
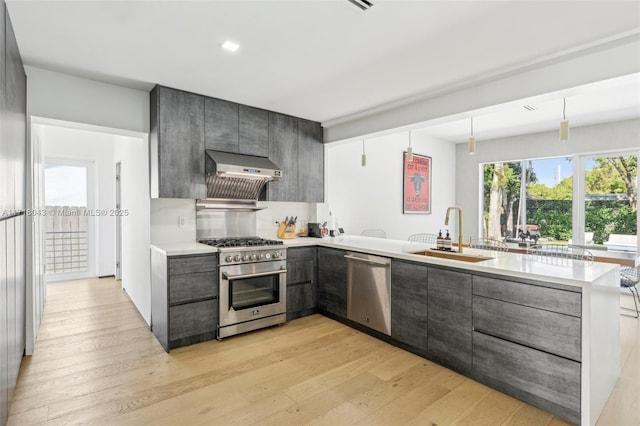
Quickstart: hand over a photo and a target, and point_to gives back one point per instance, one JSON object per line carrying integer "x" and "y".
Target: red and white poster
{"x": 417, "y": 184}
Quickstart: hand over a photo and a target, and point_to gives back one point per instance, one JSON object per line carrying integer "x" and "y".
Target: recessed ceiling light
{"x": 230, "y": 46}
{"x": 529, "y": 107}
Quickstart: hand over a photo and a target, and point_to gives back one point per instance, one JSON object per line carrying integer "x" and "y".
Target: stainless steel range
{"x": 253, "y": 284}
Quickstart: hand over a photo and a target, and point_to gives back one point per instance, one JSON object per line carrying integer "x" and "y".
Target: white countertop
{"x": 177, "y": 249}
{"x": 559, "y": 271}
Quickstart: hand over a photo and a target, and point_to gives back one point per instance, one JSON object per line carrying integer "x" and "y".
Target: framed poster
{"x": 416, "y": 185}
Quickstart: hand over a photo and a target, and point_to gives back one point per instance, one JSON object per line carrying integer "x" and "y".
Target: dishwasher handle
{"x": 386, "y": 264}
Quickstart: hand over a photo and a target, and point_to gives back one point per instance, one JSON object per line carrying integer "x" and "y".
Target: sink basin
{"x": 462, "y": 257}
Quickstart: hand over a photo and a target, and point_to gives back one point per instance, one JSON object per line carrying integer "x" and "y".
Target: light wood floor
{"x": 96, "y": 362}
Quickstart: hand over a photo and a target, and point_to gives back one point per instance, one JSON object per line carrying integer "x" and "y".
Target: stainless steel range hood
{"x": 236, "y": 180}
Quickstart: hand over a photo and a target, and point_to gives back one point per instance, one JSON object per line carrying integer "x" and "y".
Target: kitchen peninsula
{"x": 544, "y": 330}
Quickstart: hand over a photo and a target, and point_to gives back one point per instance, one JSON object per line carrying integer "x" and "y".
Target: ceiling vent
{"x": 529, "y": 107}
{"x": 362, "y": 4}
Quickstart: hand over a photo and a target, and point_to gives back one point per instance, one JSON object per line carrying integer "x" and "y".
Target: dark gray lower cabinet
{"x": 449, "y": 319}
{"x": 527, "y": 342}
{"x": 302, "y": 298}
{"x": 332, "y": 281}
{"x": 547, "y": 381}
{"x": 184, "y": 298}
{"x": 409, "y": 304}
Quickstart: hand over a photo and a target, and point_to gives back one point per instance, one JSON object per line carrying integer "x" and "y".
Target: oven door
{"x": 253, "y": 291}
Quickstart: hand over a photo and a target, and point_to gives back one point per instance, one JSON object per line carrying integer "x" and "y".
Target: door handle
{"x": 259, "y": 274}
{"x": 374, "y": 262}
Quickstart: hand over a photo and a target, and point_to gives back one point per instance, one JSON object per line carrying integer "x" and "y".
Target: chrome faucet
{"x": 446, "y": 222}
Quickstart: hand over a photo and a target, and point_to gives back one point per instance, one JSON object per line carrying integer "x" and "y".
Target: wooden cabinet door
{"x": 539, "y": 378}
{"x": 449, "y": 319}
{"x": 4, "y": 342}
{"x": 310, "y": 162}
{"x": 283, "y": 151}
{"x": 332, "y": 281}
{"x": 253, "y": 132}
{"x": 302, "y": 298}
{"x": 221, "y": 125}
{"x": 409, "y": 307}
{"x": 177, "y": 151}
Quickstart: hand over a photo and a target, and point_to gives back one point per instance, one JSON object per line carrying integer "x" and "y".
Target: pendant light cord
{"x": 564, "y": 108}
{"x": 471, "y": 126}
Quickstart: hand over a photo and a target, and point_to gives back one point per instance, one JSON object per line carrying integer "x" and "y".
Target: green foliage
{"x": 609, "y": 217}
{"x": 562, "y": 191}
{"x": 553, "y": 216}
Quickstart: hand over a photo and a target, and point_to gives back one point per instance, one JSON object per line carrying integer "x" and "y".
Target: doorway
{"x": 68, "y": 223}
{"x": 118, "y": 224}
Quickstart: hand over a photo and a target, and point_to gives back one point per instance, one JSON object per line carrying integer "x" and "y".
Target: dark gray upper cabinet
{"x": 310, "y": 162}
{"x": 449, "y": 319}
{"x": 409, "y": 320}
{"x": 253, "y": 133}
{"x": 283, "y": 151}
{"x": 221, "y": 125}
{"x": 184, "y": 124}
{"x": 232, "y": 127}
{"x": 332, "y": 281}
{"x": 177, "y": 144}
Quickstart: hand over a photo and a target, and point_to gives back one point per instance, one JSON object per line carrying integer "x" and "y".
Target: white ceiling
{"x": 326, "y": 59}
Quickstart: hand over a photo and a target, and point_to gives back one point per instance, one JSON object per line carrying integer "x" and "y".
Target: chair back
{"x": 560, "y": 252}
{"x": 629, "y": 276}
{"x": 488, "y": 244}
{"x": 423, "y": 238}
{"x": 377, "y": 233}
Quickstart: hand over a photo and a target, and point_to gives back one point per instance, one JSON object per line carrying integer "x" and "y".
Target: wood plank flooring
{"x": 96, "y": 362}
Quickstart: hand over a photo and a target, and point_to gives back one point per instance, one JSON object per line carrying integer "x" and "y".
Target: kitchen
{"x": 54, "y": 94}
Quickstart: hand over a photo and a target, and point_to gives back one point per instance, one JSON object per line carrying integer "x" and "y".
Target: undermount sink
{"x": 453, "y": 255}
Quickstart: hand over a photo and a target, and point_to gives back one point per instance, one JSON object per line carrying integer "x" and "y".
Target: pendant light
{"x": 564, "y": 124}
{"x": 409, "y": 150}
{"x": 472, "y": 141}
{"x": 364, "y": 155}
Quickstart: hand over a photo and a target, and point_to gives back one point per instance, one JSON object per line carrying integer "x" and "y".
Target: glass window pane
{"x": 65, "y": 185}
{"x": 611, "y": 202}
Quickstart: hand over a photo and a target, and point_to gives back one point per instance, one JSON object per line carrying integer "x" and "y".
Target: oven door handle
{"x": 259, "y": 274}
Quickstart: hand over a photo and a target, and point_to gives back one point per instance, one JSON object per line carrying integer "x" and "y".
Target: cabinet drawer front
{"x": 183, "y": 288}
{"x": 300, "y": 271}
{"x": 192, "y": 264}
{"x": 300, "y": 253}
{"x": 548, "y": 331}
{"x": 301, "y": 297}
{"x": 544, "y": 380}
{"x": 192, "y": 319}
{"x": 551, "y": 299}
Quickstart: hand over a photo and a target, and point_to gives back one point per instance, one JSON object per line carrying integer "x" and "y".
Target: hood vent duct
{"x": 235, "y": 181}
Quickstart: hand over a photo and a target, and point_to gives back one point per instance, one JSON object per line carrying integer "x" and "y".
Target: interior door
{"x": 118, "y": 225}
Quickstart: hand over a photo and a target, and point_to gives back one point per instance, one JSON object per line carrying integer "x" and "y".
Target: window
{"x": 602, "y": 210}
{"x": 541, "y": 208}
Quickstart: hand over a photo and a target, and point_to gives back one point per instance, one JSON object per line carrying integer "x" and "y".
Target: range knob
{"x": 260, "y": 256}
{"x": 236, "y": 258}
{"x": 245, "y": 257}
{"x": 252, "y": 257}
{"x": 228, "y": 259}
{"x": 267, "y": 256}
{"x": 276, "y": 254}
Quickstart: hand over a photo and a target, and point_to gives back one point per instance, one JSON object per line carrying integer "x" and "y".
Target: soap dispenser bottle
{"x": 447, "y": 242}
{"x": 440, "y": 241}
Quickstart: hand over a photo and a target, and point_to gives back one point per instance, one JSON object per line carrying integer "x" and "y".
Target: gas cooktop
{"x": 239, "y": 242}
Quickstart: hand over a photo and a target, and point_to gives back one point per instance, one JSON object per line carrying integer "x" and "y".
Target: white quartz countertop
{"x": 177, "y": 249}
{"x": 559, "y": 271}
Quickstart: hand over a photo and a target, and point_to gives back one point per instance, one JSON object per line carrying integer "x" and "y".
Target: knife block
{"x": 285, "y": 232}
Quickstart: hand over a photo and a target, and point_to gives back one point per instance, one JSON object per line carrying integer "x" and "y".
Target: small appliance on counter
{"x": 314, "y": 230}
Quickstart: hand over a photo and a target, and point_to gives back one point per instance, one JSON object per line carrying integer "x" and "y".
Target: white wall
{"x": 99, "y": 149}
{"x": 583, "y": 140}
{"x": 133, "y": 153}
{"x": 279, "y": 210}
{"x": 371, "y": 196}
{"x": 165, "y": 214}
{"x": 65, "y": 97}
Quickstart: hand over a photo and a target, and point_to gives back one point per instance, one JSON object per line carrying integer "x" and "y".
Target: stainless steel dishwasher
{"x": 369, "y": 291}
